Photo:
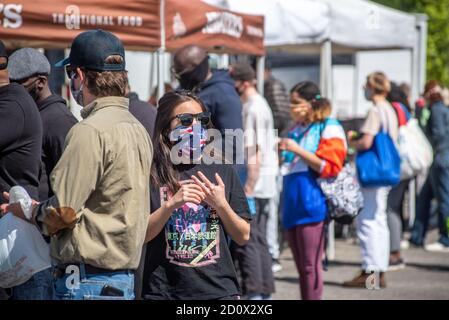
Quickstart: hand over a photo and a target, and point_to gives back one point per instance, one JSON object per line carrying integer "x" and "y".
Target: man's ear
{"x": 42, "y": 82}
{"x": 81, "y": 75}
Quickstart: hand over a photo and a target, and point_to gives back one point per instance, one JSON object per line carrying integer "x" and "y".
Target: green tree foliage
{"x": 438, "y": 33}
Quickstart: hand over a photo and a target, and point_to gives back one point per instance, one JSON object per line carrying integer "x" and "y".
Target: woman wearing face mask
{"x": 316, "y": 147}
{"x": 194, "y": 208}
{"x": 372, "y": 226}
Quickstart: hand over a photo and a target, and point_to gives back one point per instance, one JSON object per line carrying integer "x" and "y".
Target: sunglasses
{"x": 186, "y": 119}
{"x": 70, "y": 71}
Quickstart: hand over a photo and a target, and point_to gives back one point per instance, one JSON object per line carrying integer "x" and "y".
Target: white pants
{"x": 372, "y": 230}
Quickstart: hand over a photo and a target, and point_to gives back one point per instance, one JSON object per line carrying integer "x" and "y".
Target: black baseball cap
{"x": 3, "y": 54}
{"x": 242, "y": 71}
{"x": 91, "y": 48}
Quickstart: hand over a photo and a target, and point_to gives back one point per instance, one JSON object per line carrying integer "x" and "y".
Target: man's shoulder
{"x": 141, "y": 107}
{"x": 219, "y": 84}
{"x": 58, "y": 111}
{"x": 17, "y": 96}
{"x": 258, "y": 105}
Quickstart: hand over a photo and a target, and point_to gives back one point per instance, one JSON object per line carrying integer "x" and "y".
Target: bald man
{"x": 214, "y": 87}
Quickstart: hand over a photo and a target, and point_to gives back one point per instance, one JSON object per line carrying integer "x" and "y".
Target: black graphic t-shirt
{"x": 190, "y": 258}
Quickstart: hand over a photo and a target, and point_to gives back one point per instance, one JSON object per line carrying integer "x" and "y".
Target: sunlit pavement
{"x": 426, "y": 275}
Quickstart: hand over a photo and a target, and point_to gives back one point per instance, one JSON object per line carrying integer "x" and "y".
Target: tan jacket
{"x": 99, "y": 213}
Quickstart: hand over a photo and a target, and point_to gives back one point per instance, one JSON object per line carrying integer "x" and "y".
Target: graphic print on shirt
{"x": 192, "y": 234}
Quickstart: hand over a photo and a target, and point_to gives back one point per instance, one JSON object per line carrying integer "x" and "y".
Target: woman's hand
{"x": 187, "y": 193}
{"x": 215, "y": 193}
{"x": 288, "y": 144}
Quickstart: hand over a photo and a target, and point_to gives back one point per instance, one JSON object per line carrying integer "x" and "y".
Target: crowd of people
{"x": 130, "y": 197}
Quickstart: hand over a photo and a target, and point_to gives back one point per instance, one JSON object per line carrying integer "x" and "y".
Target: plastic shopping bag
{"x": 23, "y": 251}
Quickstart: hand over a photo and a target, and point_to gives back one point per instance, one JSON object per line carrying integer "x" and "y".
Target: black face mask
{"x": 190, "y": 80}
{"x": 33, "y": 91}
{"x": 239, "y": 92}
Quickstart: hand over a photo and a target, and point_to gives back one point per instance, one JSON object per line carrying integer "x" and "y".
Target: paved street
{"x": 426, "y": 276}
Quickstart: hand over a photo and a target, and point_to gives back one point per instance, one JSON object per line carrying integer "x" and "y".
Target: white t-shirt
{"x": 259, "y": 130}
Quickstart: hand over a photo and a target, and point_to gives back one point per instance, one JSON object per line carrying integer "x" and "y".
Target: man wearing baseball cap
{"x": 30, "y": 68}
{"x": 99, "y": 213}
{"x": 20, "y": 158}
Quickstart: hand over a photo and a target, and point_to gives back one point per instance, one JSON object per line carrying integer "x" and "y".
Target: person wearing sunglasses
{"x": 195, "y": 207}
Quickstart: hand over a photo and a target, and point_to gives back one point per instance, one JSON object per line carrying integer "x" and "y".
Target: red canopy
{"x": 54, "y": 24}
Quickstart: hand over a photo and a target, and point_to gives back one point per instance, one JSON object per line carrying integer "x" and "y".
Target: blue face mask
{"x": 76, "y": 93}
{"x": 189, "y": 141}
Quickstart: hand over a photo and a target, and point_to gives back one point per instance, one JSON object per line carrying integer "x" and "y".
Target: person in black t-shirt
{"x": 195, "y": 207}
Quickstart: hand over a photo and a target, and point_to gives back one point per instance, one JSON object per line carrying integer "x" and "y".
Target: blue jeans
{"x": 90, "y": 286}
{"x": 437, "y": 184}
{"x": 39, "y": 287}
{"x": 440, "y": 185}
{"x": 422, "y": 218}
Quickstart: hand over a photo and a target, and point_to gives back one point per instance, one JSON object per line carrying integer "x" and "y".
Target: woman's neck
{"x": 378, "y": 99}
{"x": 303, "y": 123}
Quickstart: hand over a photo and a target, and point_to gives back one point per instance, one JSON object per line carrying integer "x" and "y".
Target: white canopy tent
{"x": 349, "y": 25}
{"x": 340, "y": 26}
{"x": 290, "y": 25}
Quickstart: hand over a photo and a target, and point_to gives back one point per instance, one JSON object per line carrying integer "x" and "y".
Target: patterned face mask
{"x": 188, "y": 141}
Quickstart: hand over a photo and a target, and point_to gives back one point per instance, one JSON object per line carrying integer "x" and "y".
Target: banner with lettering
{"x": 54, "y": 24}
{"x": 216, "y": 29}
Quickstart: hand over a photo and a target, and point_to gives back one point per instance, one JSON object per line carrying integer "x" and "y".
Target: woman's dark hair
{"x": 306, "y": 90}
{"x": 162, "y": 170}
{"x": 433, "y": 92}
{"x": 321, "y": 109}
{"x": 397, "y": 94}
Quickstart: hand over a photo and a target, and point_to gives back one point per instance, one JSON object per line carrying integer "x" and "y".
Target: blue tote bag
{"x": 380, "y": 165}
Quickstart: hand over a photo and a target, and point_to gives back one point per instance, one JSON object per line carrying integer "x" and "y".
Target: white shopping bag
{"x": 23, "y": 251}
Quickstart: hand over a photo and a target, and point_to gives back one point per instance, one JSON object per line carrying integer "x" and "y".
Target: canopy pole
{"x": 419, "y": 56}
{"x": 421, "y": 25}
{"x": 161, "y": 52}
{"x": 326, "y": 90}
{"x": 223, "y": 61}
{"x": 326, "y": 69}
{"x": 260, "y": 74}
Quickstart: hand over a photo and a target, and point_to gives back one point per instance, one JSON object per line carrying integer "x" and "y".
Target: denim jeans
{"x": 437, "y": 184}
{"x": 39, "y": 287}
{"x": 440, "y": 185}
{"x": 422, "y": 218}
{"x": 90, "y": 286}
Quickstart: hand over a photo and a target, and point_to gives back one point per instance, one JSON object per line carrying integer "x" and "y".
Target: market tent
{"x": 54, "y": 24}
{"x": 287, "y": 23}
{"x": 144, "y": 25}
{"x": 307, "y": 26}
{"x": 216, "y": 29}
{"x": 362, "y": 24}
